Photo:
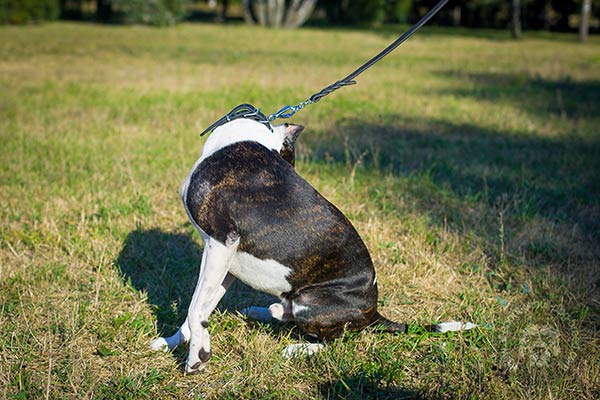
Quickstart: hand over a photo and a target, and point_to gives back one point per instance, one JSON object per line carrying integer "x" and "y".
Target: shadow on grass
{"x": 165, "y": 265}
{"x": 464, "y": 175}
{"x": 555, "y": 178}
{"x": 360, "y": 387}
{"x": 567, "y": 98}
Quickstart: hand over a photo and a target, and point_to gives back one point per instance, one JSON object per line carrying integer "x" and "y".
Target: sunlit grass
{"x": 468, "y": 162}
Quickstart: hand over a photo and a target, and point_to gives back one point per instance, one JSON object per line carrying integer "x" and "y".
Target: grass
{"x": 468, "y": 162}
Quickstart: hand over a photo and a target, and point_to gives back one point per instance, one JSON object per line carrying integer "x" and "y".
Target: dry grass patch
{"x": 468, "y": 163}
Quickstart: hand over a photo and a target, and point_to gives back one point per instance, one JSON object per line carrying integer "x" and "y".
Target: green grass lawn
{"x": 468, "y": 162}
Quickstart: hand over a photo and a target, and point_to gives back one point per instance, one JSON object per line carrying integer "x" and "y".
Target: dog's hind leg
{"x": 183, "y": 333}
{"x": 283, "y": 312}
{"x": 280, "y": 311}
{"x": 326, "y": 312}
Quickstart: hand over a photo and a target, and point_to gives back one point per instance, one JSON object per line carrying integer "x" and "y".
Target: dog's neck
{"x": 241, "y": 130}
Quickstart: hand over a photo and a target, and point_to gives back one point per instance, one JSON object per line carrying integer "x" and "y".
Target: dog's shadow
{"x": 364, "y": 387}
{"x": 165, "y": 265}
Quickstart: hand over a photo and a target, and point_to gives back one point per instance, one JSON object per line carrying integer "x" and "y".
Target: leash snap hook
{"x": 284, "y": 112}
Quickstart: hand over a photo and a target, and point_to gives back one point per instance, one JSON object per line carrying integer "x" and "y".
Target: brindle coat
{"x": 250, "y": 191}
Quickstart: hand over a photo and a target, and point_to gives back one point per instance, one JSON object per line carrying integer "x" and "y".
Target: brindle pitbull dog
{"x": 265, "y": 225}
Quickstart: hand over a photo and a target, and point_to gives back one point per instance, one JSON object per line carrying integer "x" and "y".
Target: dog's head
{"x": 289, "y": 133}
{"x": 281, "y": 139}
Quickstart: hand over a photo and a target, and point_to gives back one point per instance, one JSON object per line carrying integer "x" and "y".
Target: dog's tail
{"x": 443, "y": 327}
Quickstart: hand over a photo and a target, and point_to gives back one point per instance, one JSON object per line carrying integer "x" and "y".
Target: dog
{"x": 265, "y": 225}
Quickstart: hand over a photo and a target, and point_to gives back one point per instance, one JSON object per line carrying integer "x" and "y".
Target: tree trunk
{"x": 260, "y": 9}
{"x": 456, "y": 15}
{"x": 249, "y": 16}
{"x": 516, "y": 19}
{"x": 274, "y": 13}
{"x": 298, "y": 12}
{"x": 584, "y": 23}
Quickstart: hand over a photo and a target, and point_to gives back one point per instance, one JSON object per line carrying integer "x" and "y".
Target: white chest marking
{"x": 265, "y": 275}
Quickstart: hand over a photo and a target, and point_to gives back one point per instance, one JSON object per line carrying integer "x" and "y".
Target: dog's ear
{"x": 291, "y": 133}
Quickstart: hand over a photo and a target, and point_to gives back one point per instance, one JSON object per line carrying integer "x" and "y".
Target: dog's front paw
{"x": 194, "y": 369}
{"x": 159, "y": 344}
{"x": 198, "y": 363}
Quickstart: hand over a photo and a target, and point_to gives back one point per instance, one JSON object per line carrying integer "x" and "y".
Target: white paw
{"x": 195, "y": 367}
{"x": 281, "y": 312}
{"x": 302, "y": 350}
{"x": 454, "y": 326}
{"x": 276, "y": 311}
{"x": 197, "y": 362}
{"x": 159, "y": 344}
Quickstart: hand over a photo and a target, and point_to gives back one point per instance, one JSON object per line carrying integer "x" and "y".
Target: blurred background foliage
{"x": 551, "y": 15}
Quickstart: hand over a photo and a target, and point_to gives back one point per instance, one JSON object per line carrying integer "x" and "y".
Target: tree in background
{"x": 354, "y": 12}
{"x": 584, "y": 23}
{"x": 157, "y": 12}
{"x": 103, "y": 10}
{"x": 546, "y": 15}
{"x": 278, "y": 13}
{"x": 515, "y": 25}
{"x": 563, "y": 9}
{"x": 398, "y": 10}
{"x": 516, "y": 15}
{"x": 25, "y": 11}
{"x": 222, "y": 13}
